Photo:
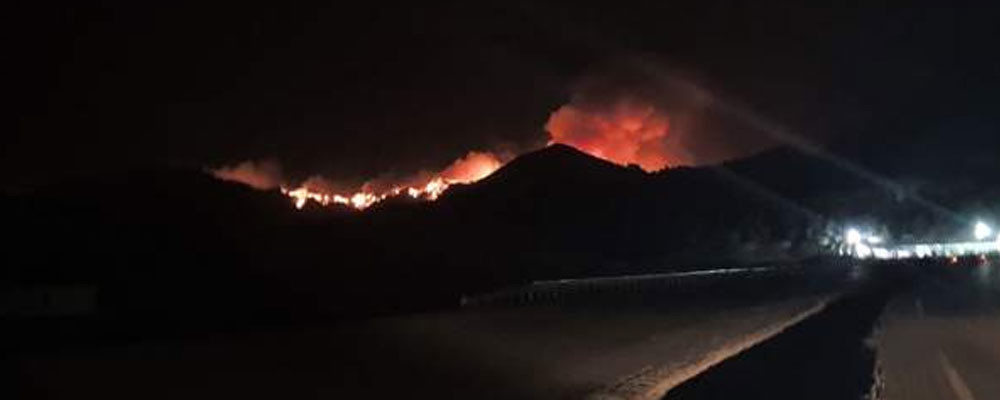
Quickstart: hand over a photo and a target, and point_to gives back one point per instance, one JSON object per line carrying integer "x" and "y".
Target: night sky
{"x": 349, "y": 91}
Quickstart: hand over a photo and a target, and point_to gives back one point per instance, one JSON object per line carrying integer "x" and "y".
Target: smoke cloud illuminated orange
{"x": 626, "y": 132}
{"x": 473, "y": 167}
{"x": 262, "y": 175}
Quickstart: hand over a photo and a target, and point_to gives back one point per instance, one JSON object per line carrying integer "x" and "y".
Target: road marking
{"x": 954, "y": 379}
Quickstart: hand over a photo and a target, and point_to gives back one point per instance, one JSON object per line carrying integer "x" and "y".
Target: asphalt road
{"x": 825, "y": 357}
{"x": 941, "y": 340}
{"x": 926, "y": 330}
{"x": 635, "y": 345}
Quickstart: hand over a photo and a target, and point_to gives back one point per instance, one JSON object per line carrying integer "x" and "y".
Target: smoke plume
{"x": 630, "y": 115}
{"x": 261, "y": 175}
{"x": 626, "y": 116}
{"x": 627, "y": 131}
{"x": 473, "y": 167}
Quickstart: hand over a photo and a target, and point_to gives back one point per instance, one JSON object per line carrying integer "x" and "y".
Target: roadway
{"x": 637, "y": 341}
{"x": 931, "y": 331}
{"x": 941, "y": 339}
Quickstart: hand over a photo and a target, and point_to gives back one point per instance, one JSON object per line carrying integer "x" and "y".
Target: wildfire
{"x": 473, "y": 167}
{"x": 624, "y": 131}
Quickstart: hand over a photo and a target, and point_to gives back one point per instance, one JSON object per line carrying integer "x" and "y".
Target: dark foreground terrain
{"x": 918, "y": 329}
{"x": 635, "y": 337}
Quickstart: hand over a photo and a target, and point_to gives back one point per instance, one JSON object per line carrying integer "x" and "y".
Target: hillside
{"x": 164, "y": 245}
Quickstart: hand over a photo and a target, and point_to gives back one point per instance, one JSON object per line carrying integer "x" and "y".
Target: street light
{"x": 853, "y": 236}
{"x": 982, "y": 231}
{"x": 862, "y": 250}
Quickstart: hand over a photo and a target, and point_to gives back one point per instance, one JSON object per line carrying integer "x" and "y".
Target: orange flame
{"x": 626, "y": 131}
{"x": 471, "y": 168}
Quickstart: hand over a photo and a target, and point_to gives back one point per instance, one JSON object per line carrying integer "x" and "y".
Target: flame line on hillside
{"x": 362, "y": 200}
{"x": 471, "y": 168}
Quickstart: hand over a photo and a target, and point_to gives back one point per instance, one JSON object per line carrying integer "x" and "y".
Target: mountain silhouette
{"x": 166, "y": 245}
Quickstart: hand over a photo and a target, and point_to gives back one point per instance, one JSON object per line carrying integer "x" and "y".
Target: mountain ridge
{"x": 162, "y": 244}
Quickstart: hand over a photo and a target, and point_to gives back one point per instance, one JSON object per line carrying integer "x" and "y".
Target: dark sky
{"x": 353, "y": 90}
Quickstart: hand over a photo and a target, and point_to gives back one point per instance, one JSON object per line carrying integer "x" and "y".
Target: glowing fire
{"x": 628, "y": 131}
{"x": 473, "y": 167}
{"x": 624, "y": 131}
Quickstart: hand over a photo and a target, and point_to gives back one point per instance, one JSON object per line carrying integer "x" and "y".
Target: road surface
{"x": 941, "y": 340}
{"x": 929, "y": 330}
{"x": 630, "y": 349}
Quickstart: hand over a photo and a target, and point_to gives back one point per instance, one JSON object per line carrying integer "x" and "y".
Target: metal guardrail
{"x": 552, "y": 291}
